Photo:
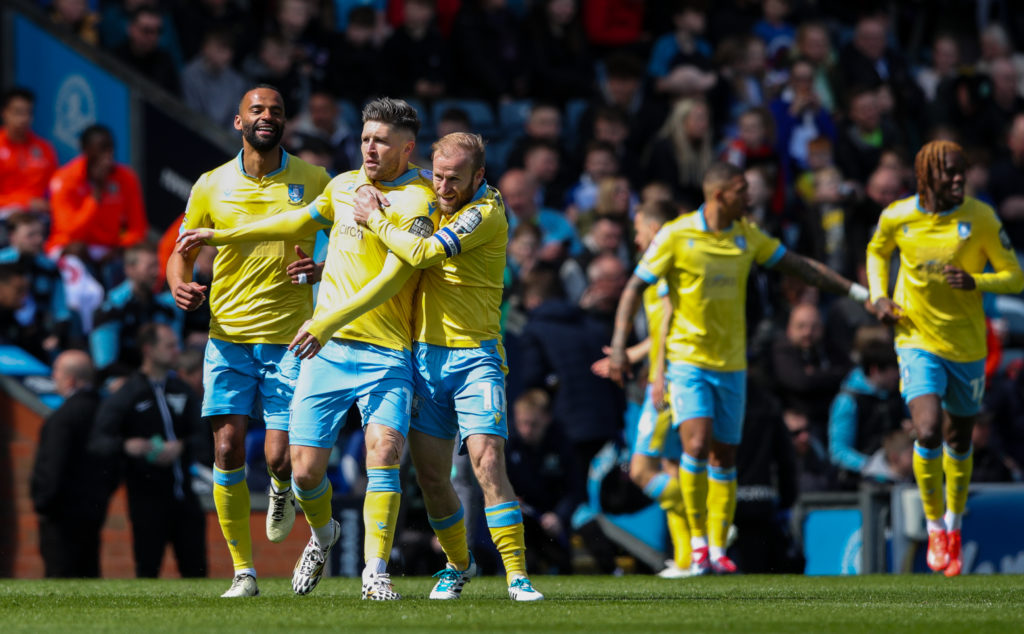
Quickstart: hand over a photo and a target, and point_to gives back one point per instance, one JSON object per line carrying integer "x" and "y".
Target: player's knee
{"x": 278, "y": 463}
{"x": 228, "y": 454}
{"x": 697, "y": 446}
{"x": 639, "y": 472}
{"x": 432, "y": 481}
{"x": 307, "y": 477}
{"x": 488, "y": 462}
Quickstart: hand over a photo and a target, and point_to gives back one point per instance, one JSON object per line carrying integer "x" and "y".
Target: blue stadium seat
{"x": 497, "y": 158}
{"x": 427, "y": 125}
{"x": 512, "y": 116}
{"x": 481, "y": 115}
{"x": 352, "y": 115}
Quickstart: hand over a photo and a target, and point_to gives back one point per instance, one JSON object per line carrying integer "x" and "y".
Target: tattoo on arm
{"x": 814, "y": 273}
{"x": 628, "y": 304}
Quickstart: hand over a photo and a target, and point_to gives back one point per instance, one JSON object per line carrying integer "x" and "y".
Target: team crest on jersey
{"x": 963, "y": 229}
{"x": 295, "y": 193}
{"x": 741, "y": 242}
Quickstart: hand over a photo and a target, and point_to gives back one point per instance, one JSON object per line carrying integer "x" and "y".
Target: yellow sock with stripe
{"x": 665, "y": 490}
{"x": 231, "y": 498}
{"x": 505, "y": 523}
{"x": 280, "y": 486}
{"x": 721, "y": 507}
{"x": 958, "y": 468}
{"x": 316, "y": 506}
{"x": 693, "y": 481}
{"x": 451, "y": 533}
{"x": 679, "y": 532}
{"x": 928, "y": 473}
{"x": 380, "y": 514}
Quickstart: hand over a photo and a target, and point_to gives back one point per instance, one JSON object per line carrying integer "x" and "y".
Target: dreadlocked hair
{"x": 932, "y": 159}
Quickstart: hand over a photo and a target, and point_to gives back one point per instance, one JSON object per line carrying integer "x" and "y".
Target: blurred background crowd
{"x": 589, "y": 109}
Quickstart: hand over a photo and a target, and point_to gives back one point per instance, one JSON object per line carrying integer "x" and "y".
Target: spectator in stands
{"x": 894, "y": 460}
{"x": 883, "y": 188}
{"x": 76, "y": 17}
{"x": 799, "y": 118}
{"x": 544, "y": 123}
{"x": 353, "y": 68}
{"x": 13, "y": 294}
{"x": 541, "y": 467}
{"x": 273, "y": 63}
{"x": 542, "y": 160}
{"x": 1006, "y": 184}
{"x": 1004, "y": 102}
{"x": 806, "y": 376}
{"x": 96, "y": 203}
{"x": 45, "y": 319}
{"x": 559, "y": 238}
{"x": 680, "y": 62}
{"x": 605, "y": 237}
{"x": 611, "y": 126}
{"x": 778, "y": 35}
{"x": 754, "y": 143}
{"x": 945, "y": 60}
{"x": 742, "y": 74}
{"x": 141, "y": 50}
{"x": 557, "y": 52}
{"x": 415, "y": 55}
{"x": 866, "y": 409}
{"x": 295, "y": 21}
{"x": 599, "y": 163}
{"x": 210, "y": 84}
{"x": 621, "y": 87}
{"x": 866, "y": 134}
{"x": 814, "y": 45}
{"x": 322, "y": 119}
{"x": 196, "y": 18}
{"x": 814, "y": 472}
{"x": 486, "y": 45}
{"x": 453, "y": 120}
{"x": 115, "y": 342}
{"x": 869, "y": 61}
{"x": 70, "y": 483}
{"x": 27, "y": 161}
{"x": 152, "y": 425}
{"x": 996, "y": 44}
{"x": 990, "y": 464}
{"x": 557, "y": 347}
{"x": 683, "y": 149}
{"x": 116, "y": 17}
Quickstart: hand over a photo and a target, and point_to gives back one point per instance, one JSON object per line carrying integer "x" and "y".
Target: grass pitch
{"x": 875, "y": 604}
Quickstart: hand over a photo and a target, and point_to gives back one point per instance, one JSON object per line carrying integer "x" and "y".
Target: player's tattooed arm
{"x": 629, "y": 302}
{"x": 813, "y": 273}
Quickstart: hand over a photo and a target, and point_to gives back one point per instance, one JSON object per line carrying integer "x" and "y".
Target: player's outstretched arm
{"x": 618, "y": 364}
{"x": 817, "y": 274}
{"x": 318, "y": 330}
{"x": 290, "y": 225}
{"x": 418, "y": 251}
{"x": 188, "y": 295}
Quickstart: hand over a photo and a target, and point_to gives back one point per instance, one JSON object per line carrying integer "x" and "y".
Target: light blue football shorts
{"x": 239, "y": 378}
{"x": 377, "y": 379}
{"x": 699, "y": 393}
{"x": 460, "y": 391}
{"x": 960, "y": 385}
{"x": 655, "y": 435}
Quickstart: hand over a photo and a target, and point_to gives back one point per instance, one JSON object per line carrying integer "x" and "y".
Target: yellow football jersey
{"x": 355, "y": 256}
{"x": 252, "y": 299}
{"x": 937, "y": 318}
{"x": 707, "y": 278}
{"x": 654, "y": 308}
{"x": 459, "y": 298}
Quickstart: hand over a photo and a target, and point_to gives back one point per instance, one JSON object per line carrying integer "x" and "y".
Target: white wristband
{"x": 858, "y": 293}
{"x": 303, "y": 278}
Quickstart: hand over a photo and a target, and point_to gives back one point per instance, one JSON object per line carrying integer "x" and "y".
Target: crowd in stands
{"x": 589, "y": 110}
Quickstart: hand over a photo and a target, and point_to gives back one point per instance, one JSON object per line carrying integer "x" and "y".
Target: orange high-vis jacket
{"x": 117, "y": 219}
{"x": 25, "y": 170}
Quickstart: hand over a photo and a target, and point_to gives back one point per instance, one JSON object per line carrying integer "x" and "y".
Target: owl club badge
{"x": 295, "y": 193}
{"x": 963, "y": 230}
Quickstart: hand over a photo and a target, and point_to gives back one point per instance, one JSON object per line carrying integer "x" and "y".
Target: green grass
{"x": 875, "y": 604}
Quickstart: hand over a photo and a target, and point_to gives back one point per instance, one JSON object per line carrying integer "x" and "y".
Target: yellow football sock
{"x": 380, "y": 511}
{"x": 231, "y": 498}
{"x": 316, "y": 503}
{"x": 679, "y": 531}
{"x": 693, "y": 482}
{"x": 721, "y": 504}
{"x": 928, "y": 473}
{"x": 451, "y": 533}
{"x": 957, "y": 468}
{"x": 505, "y": 523}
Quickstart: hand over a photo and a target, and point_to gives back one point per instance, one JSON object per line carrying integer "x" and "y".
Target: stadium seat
{"x": 481, "y": 115}
{"x": 497, "y": 158}
{"x": 352, "y": 115}
{"x": 512, "y": 117}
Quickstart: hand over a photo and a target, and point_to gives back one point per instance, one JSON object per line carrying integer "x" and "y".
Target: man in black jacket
{"x": 71, "y": 486}
{"x": 152, "y": 422}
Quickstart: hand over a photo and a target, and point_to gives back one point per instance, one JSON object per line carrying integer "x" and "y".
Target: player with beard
{"x": 255, "y": 310}
{"x": 364, "y": 360}
{"x": 459, "y": 358}
{"x": 945, "y": 240}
